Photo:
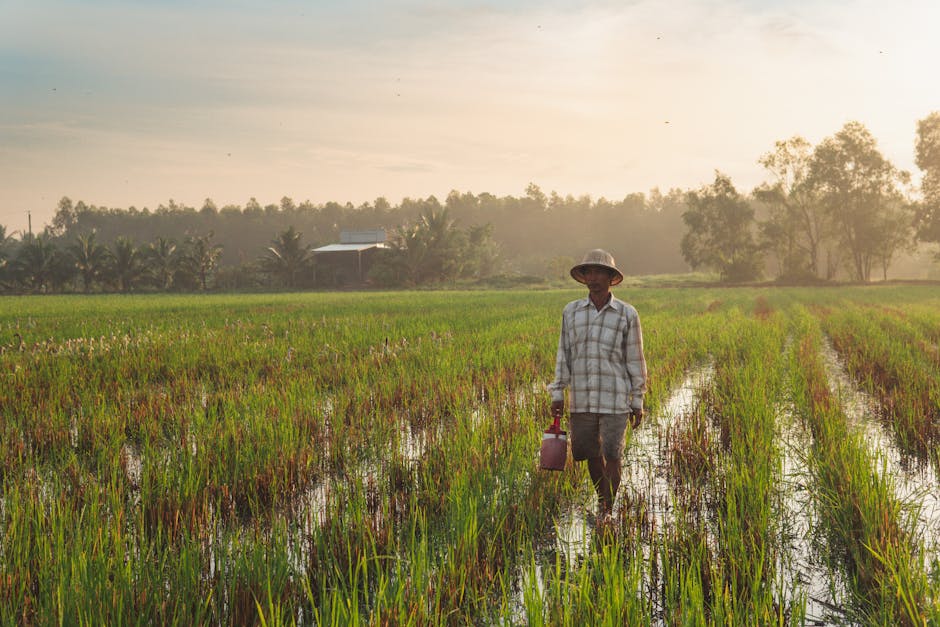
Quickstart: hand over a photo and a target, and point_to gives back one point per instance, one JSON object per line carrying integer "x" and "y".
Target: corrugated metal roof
{"x": 338, "y": 248}
{"x": 362, "y": 237}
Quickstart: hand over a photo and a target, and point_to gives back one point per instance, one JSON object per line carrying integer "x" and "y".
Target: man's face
{"x": 597, "y": 279}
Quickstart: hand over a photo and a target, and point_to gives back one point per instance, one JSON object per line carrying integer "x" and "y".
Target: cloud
{"x": 352, "y": 100}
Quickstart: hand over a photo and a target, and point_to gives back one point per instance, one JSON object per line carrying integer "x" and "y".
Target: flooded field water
{"x": 915, "y": 481}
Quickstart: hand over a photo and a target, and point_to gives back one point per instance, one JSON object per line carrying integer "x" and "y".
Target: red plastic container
{"x": 554, "y": 453}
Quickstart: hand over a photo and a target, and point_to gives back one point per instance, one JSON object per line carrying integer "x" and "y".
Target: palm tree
{"x": 287, "y": 258}
{"x": 434, "y": 249}
{"x": 34, "y": 263}
{"x": 202, "y": 256}
{"x": 163, "y": 261}
{"x": 407, "y": 253}
{"x": 6, "y": 244}
{"x": 90, "y": 259}
{"x": 443, "y": 244}
{"x": 5, "y": 240}
{"x": 127, "y": 268}
{"x": 429, "y": 250}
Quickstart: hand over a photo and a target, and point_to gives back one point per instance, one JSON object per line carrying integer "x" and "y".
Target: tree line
{"x": 42, "y": 264}
{"x": 839, "y": 209}
{"x": 467, "y": 237}
{"x": 433, "y": 249}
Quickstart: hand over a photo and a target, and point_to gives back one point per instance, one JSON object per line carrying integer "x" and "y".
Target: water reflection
{"x": 916, "y": 483}
{"x": 573, "y": 533}
{"x": 801, "y": 567}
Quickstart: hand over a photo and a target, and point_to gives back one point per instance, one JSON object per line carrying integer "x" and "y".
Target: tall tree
{"x": 65, "y": 217}
{"x": 897, "y": 234}
{"x": 421, "y": 252}
{"x": 162, "y": 261}
{"x": 127, "y": 267}
{"x": 442, "y": 242}
{"x": 796, "y": 225}
{"x": 90, "y": 259}
{"x": 857, "y": 187}
{"x": 928, "y": 160}
{"x": 720, "y": 232}
{"x": 6, "y": 252}
{"x": 35, "y": 263}
{"x": 433, "y": 249}
{"x": 208, "y": 208}
{"x": 480, "y": 253}
{"x": 287, "y": 259}
{"x": 202, "y": 256}
{"x": 404, "y": 260}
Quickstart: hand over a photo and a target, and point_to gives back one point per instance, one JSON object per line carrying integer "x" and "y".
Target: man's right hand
{"x": 557, "y": 408}
{"x": 636, "y": 417}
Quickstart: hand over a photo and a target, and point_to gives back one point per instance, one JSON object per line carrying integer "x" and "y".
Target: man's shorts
{"x": 596, "y": 434}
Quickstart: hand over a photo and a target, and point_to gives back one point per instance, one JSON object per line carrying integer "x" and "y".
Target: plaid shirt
{"x": 600, "y": 356}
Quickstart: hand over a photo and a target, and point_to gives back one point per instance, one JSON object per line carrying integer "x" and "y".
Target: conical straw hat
{"x": 601, "y": 258}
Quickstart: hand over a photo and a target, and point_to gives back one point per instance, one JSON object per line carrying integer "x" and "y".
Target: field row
{"x": 372, "y": 458}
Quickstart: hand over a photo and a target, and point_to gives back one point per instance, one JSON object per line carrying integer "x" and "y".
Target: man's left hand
{"x": 636, "y": 417}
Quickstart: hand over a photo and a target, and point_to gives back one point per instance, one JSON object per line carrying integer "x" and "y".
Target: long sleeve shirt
{"x": 600, "y": 358}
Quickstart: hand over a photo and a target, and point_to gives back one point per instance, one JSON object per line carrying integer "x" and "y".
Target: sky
{"x": 137, "y": 102}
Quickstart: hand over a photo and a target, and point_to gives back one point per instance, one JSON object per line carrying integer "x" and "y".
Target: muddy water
{"x": 132, "y": 464}
{"x": 73, "y": 429}
{"x": 647, "y": 483}
{"x": 409, "y": 444}
{"x": 531, "y": 586}
{"x": 916, "y": 483}
{"x": 311, "y": 507}
{"x": 573, "y": 533}
{"x": 802, "y": 570}
{"x": 645, "y": 463}
{"x": 412, "y": 442}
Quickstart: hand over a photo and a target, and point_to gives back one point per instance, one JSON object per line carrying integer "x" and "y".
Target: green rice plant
{"x": 885, "y": 356}
{"x": 748, "y": 378}
{"x": 605, "y": 588}
{"x": 688, "y": 577}
{"x": 870, "y": 537}
{"x": 372, "y": 458}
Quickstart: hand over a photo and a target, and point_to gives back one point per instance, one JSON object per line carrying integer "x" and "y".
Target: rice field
{"x": 372, "y": 458}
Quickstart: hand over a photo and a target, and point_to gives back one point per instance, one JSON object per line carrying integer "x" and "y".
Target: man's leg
{"x": 612, "y": 472}
{"x": 613, "y": 428}
{"x": 586, "y": 446}
{"x": 600, "y": 476}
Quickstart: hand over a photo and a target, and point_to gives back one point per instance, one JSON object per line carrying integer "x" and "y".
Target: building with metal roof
{"x": 351, "y": 259}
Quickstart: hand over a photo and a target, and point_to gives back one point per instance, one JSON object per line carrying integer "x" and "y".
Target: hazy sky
{"x": 137, "y": 102}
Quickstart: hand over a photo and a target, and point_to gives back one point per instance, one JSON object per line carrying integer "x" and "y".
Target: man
{"x": 600, "y": 360}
